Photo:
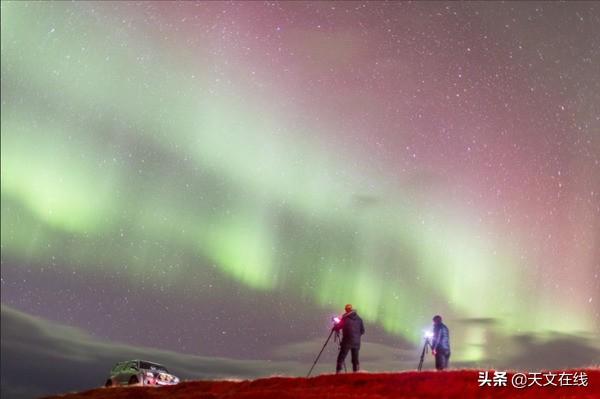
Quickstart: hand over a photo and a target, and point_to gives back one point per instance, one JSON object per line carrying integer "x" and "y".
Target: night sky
{"x": 206, "y": 184}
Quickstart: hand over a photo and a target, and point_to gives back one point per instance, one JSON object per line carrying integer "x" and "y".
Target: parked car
{"x": 140, "y": 372}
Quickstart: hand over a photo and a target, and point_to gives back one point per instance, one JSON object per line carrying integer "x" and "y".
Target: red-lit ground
{"x": 452, "y": 384}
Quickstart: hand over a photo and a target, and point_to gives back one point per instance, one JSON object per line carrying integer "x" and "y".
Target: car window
{"x": 153, "y": 367}
{"x": 132, "y": 365}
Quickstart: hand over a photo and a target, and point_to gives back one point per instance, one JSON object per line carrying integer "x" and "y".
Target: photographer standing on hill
{"x": 352, "y": 329}
{"x": 440, "y": 345}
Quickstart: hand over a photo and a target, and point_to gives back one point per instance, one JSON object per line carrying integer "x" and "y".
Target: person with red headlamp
{"x": 352, "y": 328}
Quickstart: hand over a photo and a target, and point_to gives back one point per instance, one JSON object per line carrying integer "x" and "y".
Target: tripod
{"x": 423, "y": 352}
{"x": 319, "y": 355}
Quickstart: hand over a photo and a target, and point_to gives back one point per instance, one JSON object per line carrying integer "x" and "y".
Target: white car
{"x": 140, "y": 372}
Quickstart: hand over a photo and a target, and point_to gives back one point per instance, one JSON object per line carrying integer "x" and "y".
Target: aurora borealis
{"x": 219, "y": 178}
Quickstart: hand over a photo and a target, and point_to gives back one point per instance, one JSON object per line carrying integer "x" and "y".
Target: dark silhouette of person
{"x": 352, "y": 328}
{"x": 440, "y": 343}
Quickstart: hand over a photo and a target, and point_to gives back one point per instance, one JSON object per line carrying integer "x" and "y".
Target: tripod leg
{"x": 319, "y": 355}
{"x": 422, "y": 356}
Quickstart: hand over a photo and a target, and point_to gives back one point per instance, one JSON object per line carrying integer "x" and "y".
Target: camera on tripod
{"x": 336, "y": 320}
{"x": 427, "y": 336}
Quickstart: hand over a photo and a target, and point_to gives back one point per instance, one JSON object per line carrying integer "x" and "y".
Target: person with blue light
{"x": 440, "y": 344}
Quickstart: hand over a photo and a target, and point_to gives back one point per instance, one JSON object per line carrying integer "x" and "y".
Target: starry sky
{"x": 215, "y": 180}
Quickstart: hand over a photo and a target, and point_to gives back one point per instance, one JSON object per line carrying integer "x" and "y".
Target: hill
{"x": 451, "y": 384}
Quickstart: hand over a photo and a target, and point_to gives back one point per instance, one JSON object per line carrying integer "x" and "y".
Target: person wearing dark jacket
{"x": 440, "y": 344}
{"x": 352, "y": 328}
